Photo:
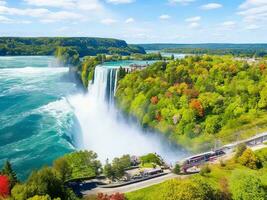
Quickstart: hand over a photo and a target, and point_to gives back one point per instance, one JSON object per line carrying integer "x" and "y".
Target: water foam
{"x": 106, "y": 133}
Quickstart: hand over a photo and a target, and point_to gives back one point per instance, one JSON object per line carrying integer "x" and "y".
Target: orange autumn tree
{"x": 262, "y": 67}
{"x": 196, "y": 105}
{"x": 154, "y": 100}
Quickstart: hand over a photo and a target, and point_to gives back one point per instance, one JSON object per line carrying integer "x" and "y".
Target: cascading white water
{"x": 104, "y": 84}
{"x": 108, "y": 134}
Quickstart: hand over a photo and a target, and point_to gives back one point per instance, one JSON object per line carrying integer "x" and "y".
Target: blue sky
{"x": 138, "y": 21}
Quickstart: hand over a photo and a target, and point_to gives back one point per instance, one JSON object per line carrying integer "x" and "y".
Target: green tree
{"x": 189, "y": 189}
{"x": 120, "y": 164}
{"x": 36, "y": 197}
{"x": 212, "y": 124}
{"x": 177, "y": 169}
{"x": 83, "y": 164}
{"x": 246, "y": 186}
{"x": 46, "y": 181}
{"x": 151, "y": 158}
{"x": 263, "y": 99}
{"x": 109, "y": 171}
{"x": 116, "y": 170}
{"x": 23, "y": 191}
{"x": 63, "y": 168}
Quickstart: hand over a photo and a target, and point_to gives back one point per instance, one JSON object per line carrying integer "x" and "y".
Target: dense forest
{"x": 242, "y": 50}
{"x": 195, "y": 100}
{"x": 14, "y": 46}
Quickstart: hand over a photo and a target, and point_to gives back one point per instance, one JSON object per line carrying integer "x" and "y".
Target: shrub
{"x": 225, "y": 193}
{"x": 239, "y": 150}
{"x": 189, "y": 189}
{"x": 36, "y": 197}
{"x": 116, "y": 196}
{"x": 262, "y": 155}
{"x": 249, "y": 159}
{"x": 205, "y": 170}
{"x": 177, "y": 169}
{"x": 222, "y": 163}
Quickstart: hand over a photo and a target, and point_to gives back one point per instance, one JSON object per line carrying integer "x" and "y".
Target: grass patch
{"x": 148, "y": 193}
{"x": 147, "y": 165}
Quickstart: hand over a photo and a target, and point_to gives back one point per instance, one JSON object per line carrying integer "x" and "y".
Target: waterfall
{"x": 104, "y": 84}
{"x": 108, "y": 134}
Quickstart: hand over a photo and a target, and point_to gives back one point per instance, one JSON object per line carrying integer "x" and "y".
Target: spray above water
{"x": 108, "y": 134}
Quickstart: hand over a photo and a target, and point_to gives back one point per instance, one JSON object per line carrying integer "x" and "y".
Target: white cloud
{"x": 91, "y": 5}
{"x": 108, "y": 21}
{"x": 129, "y": 20}
{"x": 60, "y": 16}
{"x": 5, "y": 20}
{"x": 253, "y": 11}
{"x": 194, "y": 25}
{"x": 229, "y": 24}
{"x": 211, "y": 6}
{"x": 164, "y": 17}
{"x": 120, "y": 1}
{"x": 44, "y": 15}
{"x": 251, "y": 3}
{"x": 193, "y": 19}
{"x": 2, "y": 3}
{"x": 24, "y": 12}
{"x": 25, "y": 22}
{"x": 52, "y": 3}
{"x": 182, "y": 2}
{"x": 252, "y": 27}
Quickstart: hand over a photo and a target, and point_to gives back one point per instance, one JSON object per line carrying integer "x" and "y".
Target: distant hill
{"x": 160, "y": 46}
{"x": 47, "y": 45}
{"x": 241, "y": 50}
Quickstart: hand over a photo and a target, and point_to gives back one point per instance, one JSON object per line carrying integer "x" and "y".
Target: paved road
{"x": 134, "y": 186}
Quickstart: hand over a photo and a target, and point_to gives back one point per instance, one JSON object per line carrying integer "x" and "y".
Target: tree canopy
{"x": 198, "y": 98}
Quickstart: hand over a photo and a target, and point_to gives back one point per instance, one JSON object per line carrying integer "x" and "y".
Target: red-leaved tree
{"x": 116, "y": 196}
{"x": 4, "y": 186}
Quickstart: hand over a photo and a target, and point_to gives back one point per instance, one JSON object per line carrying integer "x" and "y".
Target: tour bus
{"x": 201, "y": 158}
